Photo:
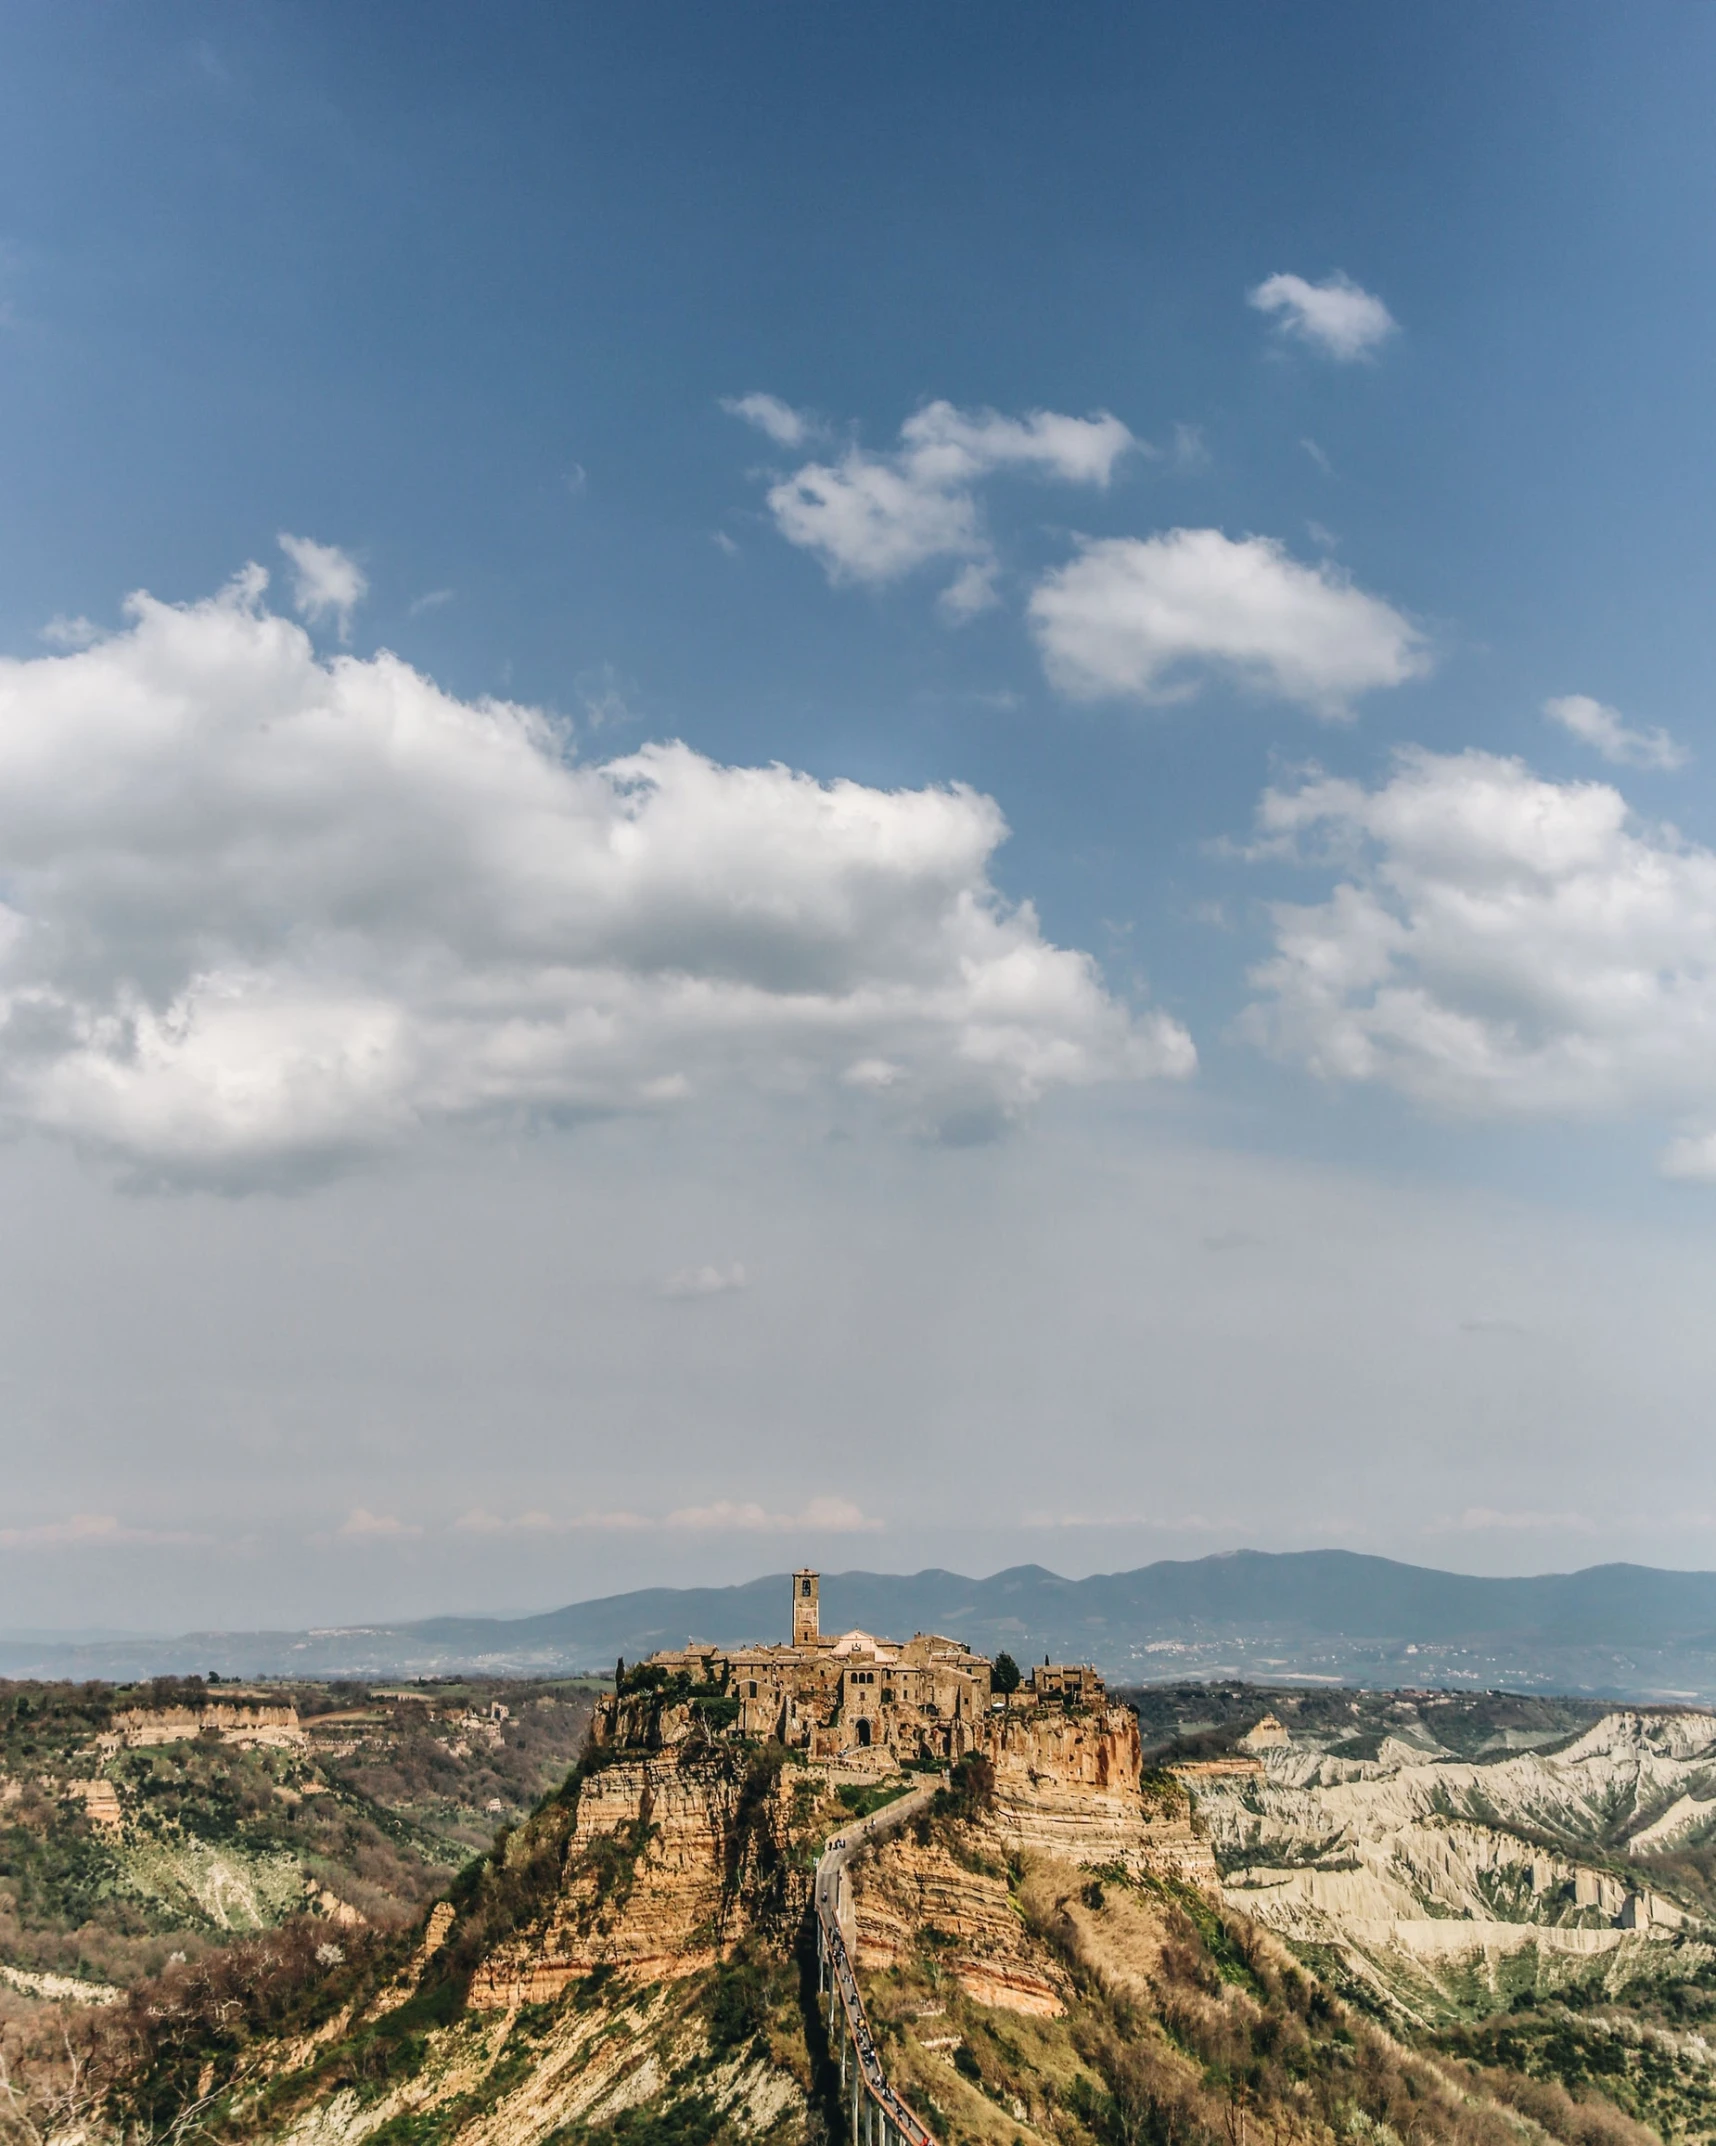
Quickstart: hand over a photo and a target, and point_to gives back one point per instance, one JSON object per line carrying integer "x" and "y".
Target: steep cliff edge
{"x": 671, "y": 1858}
{"x": 1054, "y": 1790}
{"x": 633, "y": 1943}
{"x": 1071, "y": 1784}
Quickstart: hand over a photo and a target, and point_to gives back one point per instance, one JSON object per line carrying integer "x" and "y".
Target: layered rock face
{"x": 672, "y": 1852}
{"x": 1419, "y": 1853}
{"x": 1067, "y": 1791}
{"x": 1069, "y": 1785}
{"x": 668, "y": 1856}
{"x": 914, "y": 1891}
{"x": 232, "y": 1722}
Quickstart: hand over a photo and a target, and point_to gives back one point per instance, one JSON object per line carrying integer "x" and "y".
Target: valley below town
{"x": 845, "y": 1887}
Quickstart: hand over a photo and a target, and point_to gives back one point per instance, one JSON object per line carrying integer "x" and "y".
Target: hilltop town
{"x": 848, "y": 1700}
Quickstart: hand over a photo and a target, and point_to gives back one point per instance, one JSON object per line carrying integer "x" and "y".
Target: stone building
{"x": 853, "y": 1700}
{"x": 1063, "y": 1684}
{"x": 806, "y": 1608}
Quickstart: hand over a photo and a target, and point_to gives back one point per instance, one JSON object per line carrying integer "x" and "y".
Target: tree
{"x": 970, "y": 1789}
{"x": 1005, "y": 1676}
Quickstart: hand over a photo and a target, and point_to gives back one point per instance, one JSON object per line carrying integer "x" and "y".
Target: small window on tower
{"x": 804, "y": 1587}
{"x": 753, "y": 1687}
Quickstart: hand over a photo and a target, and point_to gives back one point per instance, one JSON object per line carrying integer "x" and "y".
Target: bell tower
{"x": 805, "y": 1628}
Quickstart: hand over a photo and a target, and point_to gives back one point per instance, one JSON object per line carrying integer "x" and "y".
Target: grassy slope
{"x": 377, "y": 1812}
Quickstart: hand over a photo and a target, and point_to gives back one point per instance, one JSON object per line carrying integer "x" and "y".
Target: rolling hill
{"x": 1627, "y": 1631}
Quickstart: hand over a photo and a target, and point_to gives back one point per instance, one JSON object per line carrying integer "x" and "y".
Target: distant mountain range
{"x": 1612, "y": 1631}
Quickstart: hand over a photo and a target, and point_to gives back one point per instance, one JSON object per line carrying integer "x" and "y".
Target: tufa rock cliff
{"x": 671, "y": 1857}
{"x": 1071, "y": 1785}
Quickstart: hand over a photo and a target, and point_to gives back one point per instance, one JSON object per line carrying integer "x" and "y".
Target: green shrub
{"x": 970, "y": 1790}
{"x": 715, "y": 1710}
{"x": 738, "y": 2004}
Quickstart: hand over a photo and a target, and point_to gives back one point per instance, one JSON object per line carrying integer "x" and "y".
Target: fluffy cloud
{"x": 1149, "y": 618}
{"x": 75, "y": 632}
{"x": 361, "y": 1525}
{"x": 1497, "y": 944}
{"x": 326, "y": 583}
{"x": 91, "y": 1531}
{"x": 873, "y": 518}
{"x": 970, "y": 591}
{"x": 726, "y": 1516}
{"x": 266, "y": 914}
{"x": 709, "y": 1281}
{"x": 1606, "y": 731}
{"x": 819, "y": 1516}
{"x": 1482, "y": 1518}
{"x": 1692, "y": 1157}
{"x": 784, "y": 425}
{"x": 479, "y": 1521}
{"x": 1336, "y": 317}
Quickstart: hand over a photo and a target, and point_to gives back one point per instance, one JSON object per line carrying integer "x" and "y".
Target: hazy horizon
{"x": 480, "y": 1611}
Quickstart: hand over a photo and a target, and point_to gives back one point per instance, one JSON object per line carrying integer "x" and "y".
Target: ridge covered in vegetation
{"x": 1019, "y": 2000}
{"x": 127, "y": 1837}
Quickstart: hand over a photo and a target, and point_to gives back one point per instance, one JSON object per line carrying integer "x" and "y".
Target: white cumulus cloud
{"x": 1151, "y": 618}
{"x": 1497, "y": 944}
{"x": 705, "y": 1281}
{"x": 326, "y": 582}
{"x": 77, "y": 631}
{"x": 784, "y": 425}
{"x": 1606, "y": 731}
{"x": 479, "y": 1521}
{"x": 723, "y": 1516}
{"x": 361, "y": 1525}
{"x": 263, "y": 915}
{"x": 1336, "y": 317}
{"x": 826, "y": 1516}
{"x": 91, "y": 1531}
{"x": 1485, "y": 1517}
{"x": 970, "y": 591}
{"x": 873, "y": 518}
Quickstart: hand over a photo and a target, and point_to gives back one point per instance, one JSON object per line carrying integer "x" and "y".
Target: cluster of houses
{"x": 858, "y": 1699}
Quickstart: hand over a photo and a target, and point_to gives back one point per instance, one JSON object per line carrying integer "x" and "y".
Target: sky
{"x": 849, "y": 786}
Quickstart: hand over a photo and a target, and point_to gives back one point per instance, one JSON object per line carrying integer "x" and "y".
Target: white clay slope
{"x": 1440, "y": 1857}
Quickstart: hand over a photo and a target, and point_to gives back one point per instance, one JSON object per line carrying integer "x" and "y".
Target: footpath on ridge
{"x": 879, "y": 2116}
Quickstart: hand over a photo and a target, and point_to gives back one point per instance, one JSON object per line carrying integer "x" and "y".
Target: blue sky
{"x": 468, "y": 299}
